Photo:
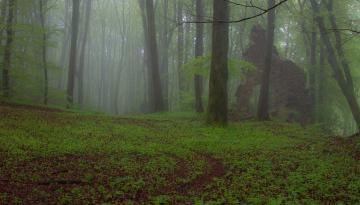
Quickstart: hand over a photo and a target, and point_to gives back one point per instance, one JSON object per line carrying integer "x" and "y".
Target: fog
{"x": 114, "y": 65}
{"x": 179, "y": 102}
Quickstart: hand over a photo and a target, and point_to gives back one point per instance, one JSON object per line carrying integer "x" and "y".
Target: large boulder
{"x": 289, "y": 97}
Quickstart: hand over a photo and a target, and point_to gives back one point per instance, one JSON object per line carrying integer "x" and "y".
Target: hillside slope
{"x": 49, "y": 156}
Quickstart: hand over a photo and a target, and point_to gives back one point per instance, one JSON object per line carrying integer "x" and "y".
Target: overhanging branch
{"x": 264, "y": 11}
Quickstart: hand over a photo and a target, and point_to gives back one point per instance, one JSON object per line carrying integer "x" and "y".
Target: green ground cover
{"x": 50, "y": 156}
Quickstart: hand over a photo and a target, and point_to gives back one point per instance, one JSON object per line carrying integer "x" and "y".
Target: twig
{"x": 239, "y": 20}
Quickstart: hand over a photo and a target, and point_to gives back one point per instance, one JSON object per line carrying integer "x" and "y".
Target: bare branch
{"x": 246, "y": 5}
{"x": 240, "y": 20}
{"x": 346, "y": 29}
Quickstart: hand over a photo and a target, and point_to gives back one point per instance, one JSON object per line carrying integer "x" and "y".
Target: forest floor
{"x": 51, "y": 156}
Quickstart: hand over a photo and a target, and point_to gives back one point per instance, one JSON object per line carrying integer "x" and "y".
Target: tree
{"x": 8, "y": 47}
{"x": 42, "y": 6}
{"x": 156, "y": 97}
{"x": 263, "y": 106}
{"x": 82, "y": 53}
{"x": 3, "y": 6}
{"x": 180, "y": 45}
{"x": 199, "y": 50}
{"x": 218, "y": 96}
{"x": 312, "y": 73}
{"x": 344, "y": 80}
{"x": 73, "y": 52}
{"x": 166, "y": 39}
{"x": 339, "y": 44}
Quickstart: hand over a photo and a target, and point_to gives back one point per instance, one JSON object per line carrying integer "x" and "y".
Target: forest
{"x": 203, "y": 102}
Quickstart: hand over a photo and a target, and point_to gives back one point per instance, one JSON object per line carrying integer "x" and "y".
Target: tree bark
{"x": 82, "y": 54}
{"x": 321, "y": 85}
{"x": 180, "y": 46}
{"x": 42, "y": 4}
{"x": 312, "y": 73}
{"x": 263, "y": 106}
{"x": 218, "y": 96}
{"x": 8, "y": 47}
{"x": 199, "y": 51}
{"x": 165, "y": 55}
{"x": 3, "y": 6}
{"x": 73, "y": 52}
{"x": 343, "y": 83}
{"x": 158, "y": 101}
{"x": 339, "y": 45}
{"x": 146, "y": 55}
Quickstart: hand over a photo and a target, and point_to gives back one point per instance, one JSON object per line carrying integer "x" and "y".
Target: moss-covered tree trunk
{"x": 263, "y": 106}
{"x": 42, "y": 7}
{"x": 312, "y": 73}
{"x": 73, "y": 52}
{"x": 199, "y": 50}
{"x": 344, "y": 80}
{"x": 218, "y": 95}
{"x": 158, "y": 101}
{"x": 83, "y": 50}
{"x": 180, "y": 48}
{"x": 8, "y": 47}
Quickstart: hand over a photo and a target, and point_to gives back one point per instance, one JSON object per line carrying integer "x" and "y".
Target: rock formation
{"x": 289, "y": 97}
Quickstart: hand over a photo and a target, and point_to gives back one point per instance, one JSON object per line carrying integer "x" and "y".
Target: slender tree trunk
{"x": 8, "y": 47}
{"x": 123, "y": 33}
{"x": 187, "y": 40}
{"x": 82, "y": 54}
{"x": 42, "y": 4}
{"x": 165, "y": 55}
{"x": 287, "y": 41}
{"x": 73, "y": 52}
{"x": 65, "y": 44}
{"x": 3, "y": 19}
{"x": 158, "y": 101}
{"x": 199, "y": 50}
{"x": 343, "y": 83}
{"x": 263, "y": 106}
{"x": 218, "y": 96}
{"x": 180, "y": 45}
{"x": 321, "y": 85}
{"x": 3, "y": 10}
{"x": 312, "y": 73}
{"x": 339, "y": 45}
{"x": 146, "y": 55}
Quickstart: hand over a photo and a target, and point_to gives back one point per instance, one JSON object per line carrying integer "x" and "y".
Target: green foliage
{"x": 151, "y": 157}
{"x": 201, "y": 66}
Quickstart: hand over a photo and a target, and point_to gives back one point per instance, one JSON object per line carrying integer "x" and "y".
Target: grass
{"x": 50, "y": 156}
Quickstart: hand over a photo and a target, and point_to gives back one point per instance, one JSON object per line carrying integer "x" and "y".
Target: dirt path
{"x": 214, "y": 169}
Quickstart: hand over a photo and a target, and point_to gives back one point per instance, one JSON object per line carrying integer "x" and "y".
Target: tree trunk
{"x": 321, "y": 85}
{"x": 8, "y": 47}
{"x": 343, "y": 83}
{"x": 146, "y": 55}
{"x": 65, "y": 43}
{"x": 73, "y": 52}
{"x": 165, "y": 55}
{"x": 263, "y": 106}
{"x": 158, "y": 101}
{"x": 82, "y": 54}
{"x": 339, "y": 45}
{"x": 42, "y": 5}
{"x": 312, "y": 73}
{"x": 199, "y": 50}
{"x": 218, "y": 96}
{"x": 3, "y": 6}
{"x": 180, "y": 46}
